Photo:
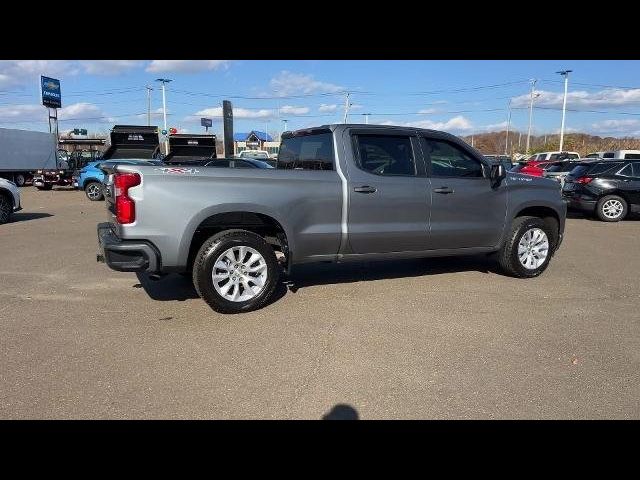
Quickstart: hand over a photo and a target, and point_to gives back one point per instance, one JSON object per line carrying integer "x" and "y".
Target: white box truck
{"x": 23, "y": 152}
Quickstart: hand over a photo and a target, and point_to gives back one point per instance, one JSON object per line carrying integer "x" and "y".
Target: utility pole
{"x": 533, "y": 86}
{"x": 346, "y": 107}
{"x": 284, "y": 120}
{"x": 506, "y": 141}
{"x": 164, "y": 81}
{"x": 519, "y": 138}
{"x": 472, "y": 140}
{"x": 565, "y": 74}
{"x": 366, "y": 118}
{"x": 148, "y": 105}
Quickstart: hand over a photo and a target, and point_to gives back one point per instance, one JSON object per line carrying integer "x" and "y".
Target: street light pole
{"x": 565, "y": 74}
{"x": 148, "y": 105}
{"x": 506, "y": 141}
{"x": 164, "y": 81}
{"x": 533, "y": 86}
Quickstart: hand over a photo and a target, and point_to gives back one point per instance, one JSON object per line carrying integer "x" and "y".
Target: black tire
{"x": 46, "y": 186}
{"x": 507, "y": 256}
{"x": 6, "y": 209}
{"x": 208, "y": 254}
{"x": 600, "y": 211}
{"x": 19, "y": 179}
{"x": 96, "y": 191}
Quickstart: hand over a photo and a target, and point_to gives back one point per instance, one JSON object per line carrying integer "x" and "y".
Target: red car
{"x": 533, "y": 168}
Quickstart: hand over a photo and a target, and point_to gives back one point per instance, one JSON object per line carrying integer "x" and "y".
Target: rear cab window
{"x": 307, "y": 150}
{"x": 386, "y": 155}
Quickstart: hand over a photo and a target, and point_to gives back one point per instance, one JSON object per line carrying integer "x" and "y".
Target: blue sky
{"x": 462, "y": 97}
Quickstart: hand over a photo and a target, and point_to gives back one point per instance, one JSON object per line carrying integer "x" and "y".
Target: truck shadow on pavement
{"x": 326, "y": 274}
{"x": 23, "y": 217}
{"x": 175, "y": 287}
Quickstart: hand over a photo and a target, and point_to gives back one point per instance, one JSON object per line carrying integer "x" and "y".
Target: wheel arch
{"x": 253, "y": 218}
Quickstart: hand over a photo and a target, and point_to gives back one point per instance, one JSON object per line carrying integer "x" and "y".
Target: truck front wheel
{"x": 235, "y": 271}
{"x": 527, "y": 249}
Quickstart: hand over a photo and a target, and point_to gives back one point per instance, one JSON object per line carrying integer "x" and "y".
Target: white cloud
{"x": 186, "y": 66}
{"x": 455, "y": 124}
{"x": 108, "y": 67}
{"x": 627, "y": 127}
{"x": 324, "y": 108}
{"x": 25, "y": 72}
{"x": 610, "y": 97}
{"x": 238, "y": 113}
{"x": 427, "y": 111}
{"x": 37, "y": 113}
{"x": 291, "y": 110}
{"x": 355, "y": 106}
{"x": 288, "y": 83}
{"x": 496, "y": 126}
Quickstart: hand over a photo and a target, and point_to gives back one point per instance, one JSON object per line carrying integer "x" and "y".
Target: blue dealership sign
{"x": 51, "y": 95}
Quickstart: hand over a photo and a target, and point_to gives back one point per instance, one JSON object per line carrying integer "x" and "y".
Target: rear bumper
{"x": 126, "y": 255}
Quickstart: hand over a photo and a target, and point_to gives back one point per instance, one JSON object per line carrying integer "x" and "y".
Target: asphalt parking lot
{"x": 437, "y": 338}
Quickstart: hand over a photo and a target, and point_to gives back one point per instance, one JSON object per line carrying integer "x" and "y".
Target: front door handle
{"x": 444, "y": 190}
{"x": 365, "y": 189}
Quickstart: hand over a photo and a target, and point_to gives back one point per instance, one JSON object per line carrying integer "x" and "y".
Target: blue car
{"x": 91, "y": 177}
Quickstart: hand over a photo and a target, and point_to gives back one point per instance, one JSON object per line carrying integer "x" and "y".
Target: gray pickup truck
{"x": 339, "y": 193}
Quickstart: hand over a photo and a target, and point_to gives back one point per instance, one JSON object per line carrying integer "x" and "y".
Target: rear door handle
{"x": 443, "y": 190}
{"x": 365, "y": 189}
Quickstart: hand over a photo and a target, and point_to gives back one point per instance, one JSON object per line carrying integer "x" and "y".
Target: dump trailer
{"x": 186, "y": 149}
{"x": 133, "y": 141}
{"x": 127, "y": 141}
{"x": 24, "y": 152}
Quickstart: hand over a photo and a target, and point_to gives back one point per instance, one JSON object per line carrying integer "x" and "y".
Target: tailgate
{"x": 191, "y": 149}
{"x": 133, "y": 141}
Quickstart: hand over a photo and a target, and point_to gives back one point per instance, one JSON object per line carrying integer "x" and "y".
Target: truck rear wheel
{"x": 527, "y": 249}
{"x": 235, "y": 271}
{"x": 19, "y": 179}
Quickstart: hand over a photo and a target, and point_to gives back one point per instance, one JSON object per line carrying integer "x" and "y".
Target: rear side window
{"x": 386, "y": 155}
{"x": 602, "y": 168}
{"x": 636, "y": 169}
{"x": 632, "y": 156}
{"x": 626, "y": 171}
{"x": 607, "y": 155}
{"x": 307, "y": 152}
{"x": 448, "y": 160}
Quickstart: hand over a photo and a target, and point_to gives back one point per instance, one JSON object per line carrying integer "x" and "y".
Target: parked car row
{"x": 604, "y": 184}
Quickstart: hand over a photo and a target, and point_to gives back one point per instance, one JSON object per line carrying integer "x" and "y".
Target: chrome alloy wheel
{"x": 612, "y": 208}
{"x": 93, "y": 191}
{"x": 239, "y": 274}
{"x": 533, "y": 248}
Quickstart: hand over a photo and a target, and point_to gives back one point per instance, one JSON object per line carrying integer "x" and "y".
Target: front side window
{"x": 448, "y": 160}
{"x": 386, "y": 155}
{"x": 608, "y": 155}
{"x": 632, "y": 156}
{"x": 307, "y": 152}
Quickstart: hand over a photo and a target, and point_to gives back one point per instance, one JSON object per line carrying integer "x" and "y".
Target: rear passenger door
{"x": 465, "y": 210}
{"x": 388, "y": 198}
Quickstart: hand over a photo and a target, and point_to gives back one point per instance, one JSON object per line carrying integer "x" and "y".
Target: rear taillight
{"x": 583, "y": 180}
{"x": 125, "y": 206}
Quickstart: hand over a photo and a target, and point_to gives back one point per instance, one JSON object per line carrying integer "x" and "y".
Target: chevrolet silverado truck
{"x": 339, "y": 193}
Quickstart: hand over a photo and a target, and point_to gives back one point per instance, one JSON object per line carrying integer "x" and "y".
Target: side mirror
{"x": 497, "y": 174}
